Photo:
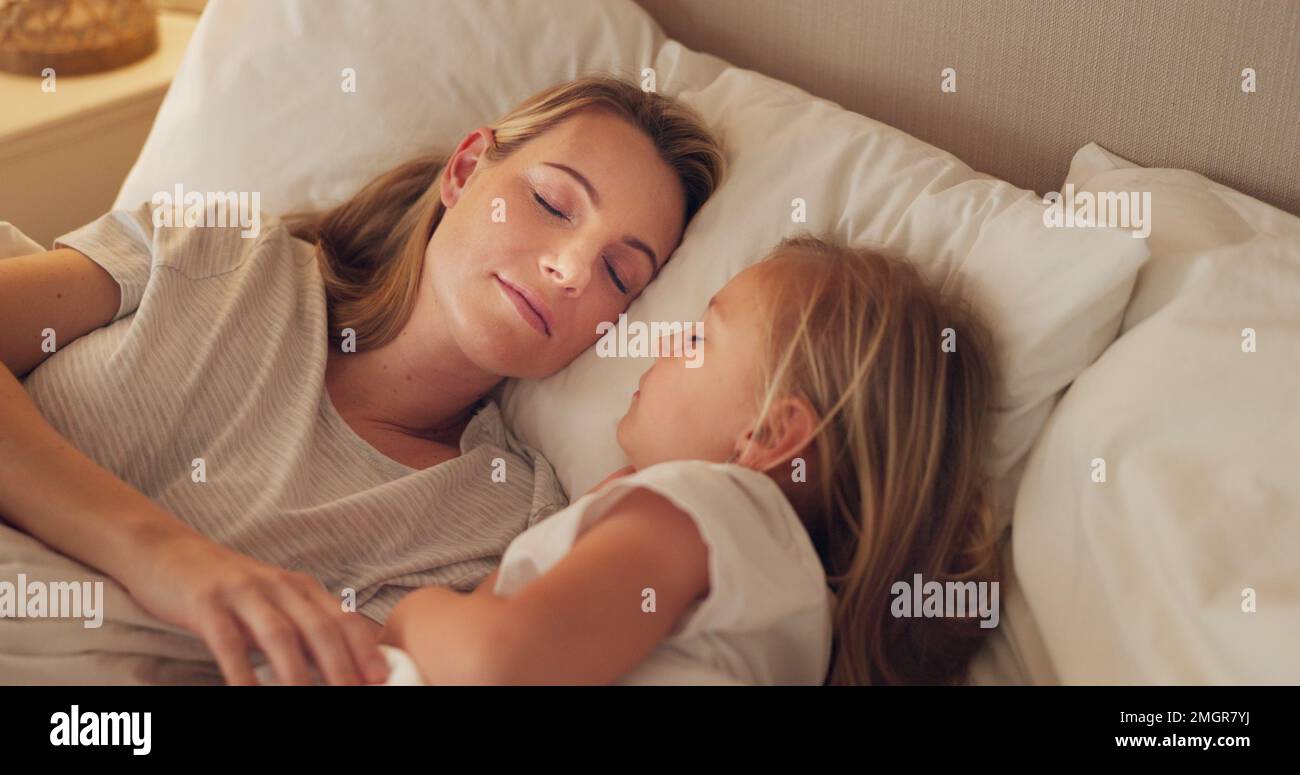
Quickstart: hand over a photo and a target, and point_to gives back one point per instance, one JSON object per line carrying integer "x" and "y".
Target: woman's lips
{"x": 528, "y": 305}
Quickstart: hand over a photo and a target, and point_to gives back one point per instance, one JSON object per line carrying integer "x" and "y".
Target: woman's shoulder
{"x": 205, "y": 234}
{"x": 488, "y": 429}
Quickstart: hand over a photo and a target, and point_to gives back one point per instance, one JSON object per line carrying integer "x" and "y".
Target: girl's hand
{"x": 234, "y": 602}
{"x": 447, "y": 634}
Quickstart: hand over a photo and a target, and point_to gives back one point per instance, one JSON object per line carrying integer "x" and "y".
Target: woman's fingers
{"x": 361, "y": 634}
{"x": 276, "y": 635}
{"x": 363, "y": 637}
{"x": 237, "y": 604}
{"x": 225, "y": 640}
{"x": 323, "y": 633}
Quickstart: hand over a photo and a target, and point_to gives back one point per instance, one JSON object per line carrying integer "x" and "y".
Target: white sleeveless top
{"x": 767, "y": 617}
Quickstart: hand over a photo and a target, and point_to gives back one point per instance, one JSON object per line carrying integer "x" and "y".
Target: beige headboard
{"x": 1156, "y": 81}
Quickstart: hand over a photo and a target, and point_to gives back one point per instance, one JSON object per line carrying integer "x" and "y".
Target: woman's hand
{"x": 234, "y": 602}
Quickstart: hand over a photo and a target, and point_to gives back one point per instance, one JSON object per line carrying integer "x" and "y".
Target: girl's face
{"x": 702, "y": 412}
{"x": 537, "y": 249}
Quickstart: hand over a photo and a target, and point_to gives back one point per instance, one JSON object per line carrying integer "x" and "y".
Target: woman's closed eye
{"x": 609, "y": 267}
{"x": 550, "y": 208}
{"x": 613, "y": 275}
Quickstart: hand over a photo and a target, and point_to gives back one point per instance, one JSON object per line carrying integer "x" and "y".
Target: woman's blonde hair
{"x": 370, "y": 249}
{"x": 897, "y": 459}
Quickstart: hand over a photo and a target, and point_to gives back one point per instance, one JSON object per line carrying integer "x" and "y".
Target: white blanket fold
{"x": 130, "y": 645}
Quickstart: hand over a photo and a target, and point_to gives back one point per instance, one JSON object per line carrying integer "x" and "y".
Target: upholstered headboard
{"x": 1157, "y": 81}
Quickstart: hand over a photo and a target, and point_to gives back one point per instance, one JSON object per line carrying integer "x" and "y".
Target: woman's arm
{"x": 45, "y": 482}
{"x": 60, "y": 290}
{"x": 51, "y": 490}
{"x": 54, "y": 492}
{"x": 581, "y": 622}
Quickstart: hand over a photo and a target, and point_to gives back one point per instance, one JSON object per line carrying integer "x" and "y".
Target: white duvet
{"x": 1183, "y": 565}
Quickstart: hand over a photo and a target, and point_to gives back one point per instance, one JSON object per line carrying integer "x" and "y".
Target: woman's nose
{"x": 567, "y": 270}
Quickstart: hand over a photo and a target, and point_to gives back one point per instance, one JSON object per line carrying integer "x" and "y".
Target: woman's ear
{"x": 786, "y": 434}
{"x": 457, "y": 171}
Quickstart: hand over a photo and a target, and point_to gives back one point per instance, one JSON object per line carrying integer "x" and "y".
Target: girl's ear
{"x": 456, "y": 173}
{"x": 786, "y": 434}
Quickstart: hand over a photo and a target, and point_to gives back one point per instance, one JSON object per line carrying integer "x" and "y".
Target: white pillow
{"x": 1053, "y": 296}
{"x": 258, "y": 102}
{"x": 260, "y": 87}
{"x": 1142, "y": 578}
{"x": 14, "y": 243}
{"x": 1194, "y": 214}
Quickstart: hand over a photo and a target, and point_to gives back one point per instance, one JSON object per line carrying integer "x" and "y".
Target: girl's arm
{"x": 485, "y": 588}
{"x": 582, "y": 622}
{"x": 487, "y": 584}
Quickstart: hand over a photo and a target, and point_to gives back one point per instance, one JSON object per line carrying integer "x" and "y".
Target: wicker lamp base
{"x": 75, "y": 37}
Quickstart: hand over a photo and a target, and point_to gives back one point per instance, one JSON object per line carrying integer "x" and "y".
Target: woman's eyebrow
{"x": 644, "y": 248}
{"x": 628, "y": 240}
{"x": 578, "y": 176}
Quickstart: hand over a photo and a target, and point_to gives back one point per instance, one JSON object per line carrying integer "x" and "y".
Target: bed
{"x": 933, "y": 129}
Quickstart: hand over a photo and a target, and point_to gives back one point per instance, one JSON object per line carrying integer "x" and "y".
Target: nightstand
{"x": 64, "y": 154}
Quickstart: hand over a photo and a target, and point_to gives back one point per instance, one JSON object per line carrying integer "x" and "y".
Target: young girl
{"x": 828, "y": 446}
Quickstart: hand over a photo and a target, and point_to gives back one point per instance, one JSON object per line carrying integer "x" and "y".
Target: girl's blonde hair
{"x": 370, "y": 249}
{"x": 897, "y": 459}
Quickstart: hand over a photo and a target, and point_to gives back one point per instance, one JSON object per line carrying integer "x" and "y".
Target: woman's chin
{"x": 506, "y": 357}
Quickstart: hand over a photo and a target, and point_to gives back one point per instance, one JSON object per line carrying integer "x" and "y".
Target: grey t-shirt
{"x": 207, "y": 394}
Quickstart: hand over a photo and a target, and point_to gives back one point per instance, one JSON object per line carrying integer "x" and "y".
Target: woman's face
{"x": 537, "y": 249}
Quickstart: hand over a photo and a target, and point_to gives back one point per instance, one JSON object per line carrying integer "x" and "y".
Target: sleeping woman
{"x": 255, "y": 437}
